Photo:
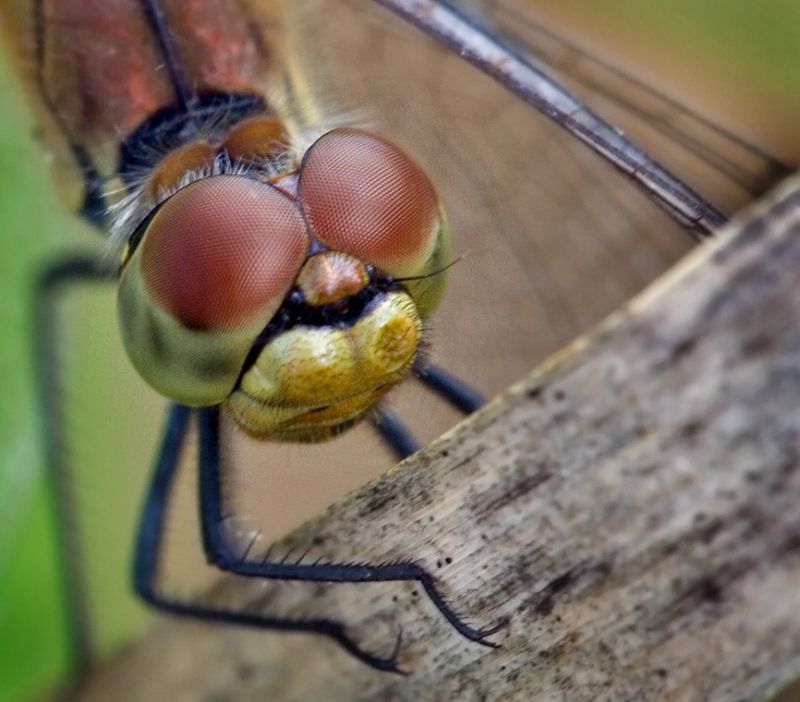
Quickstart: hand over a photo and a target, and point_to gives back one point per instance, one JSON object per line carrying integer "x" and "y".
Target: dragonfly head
{"x": 238, "y": 292}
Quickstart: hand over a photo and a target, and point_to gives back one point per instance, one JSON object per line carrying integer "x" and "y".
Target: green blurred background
{"x": 31, "y": 225}
{"x": 733, "y": 59}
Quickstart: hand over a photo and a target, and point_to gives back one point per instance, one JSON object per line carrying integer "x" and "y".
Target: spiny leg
{"x": 149, "y": 552}
{"x": 54, "y": 281}
{"x": 222, "y": 552}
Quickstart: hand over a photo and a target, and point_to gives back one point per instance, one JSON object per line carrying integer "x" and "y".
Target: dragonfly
{"x": 463, "y": 114}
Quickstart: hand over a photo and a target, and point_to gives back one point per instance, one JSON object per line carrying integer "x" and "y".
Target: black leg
{"x": 73, "y": 271}
{"x": 151, "y": 527}
{"x": 149, "y": 552}
{"x": 222, "y": 553}
{"x": 394, "y": 433}
{"x": 452, "y": 389}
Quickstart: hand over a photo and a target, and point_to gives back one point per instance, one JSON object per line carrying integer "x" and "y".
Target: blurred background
{"x": 732, "y": 60}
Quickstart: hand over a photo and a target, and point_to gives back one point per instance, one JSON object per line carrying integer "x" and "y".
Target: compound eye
{"x": 223, "y": 251}
{"x": 362, "y": 195}
{"x": 212, "y": 268}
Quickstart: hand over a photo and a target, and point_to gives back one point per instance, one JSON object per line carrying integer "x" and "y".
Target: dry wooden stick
{"x": 631, "y": 510}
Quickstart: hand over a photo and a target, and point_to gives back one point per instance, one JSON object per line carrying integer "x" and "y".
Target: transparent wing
{"x": 557, "y": 78}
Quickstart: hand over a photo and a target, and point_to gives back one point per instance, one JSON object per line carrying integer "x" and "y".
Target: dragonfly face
{"x": 204, "y": 298}
{"x": 555, "y": 238}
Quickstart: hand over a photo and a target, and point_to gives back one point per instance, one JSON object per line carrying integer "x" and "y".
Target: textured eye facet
{"x": 222, "y": 251}
{"x": 362, "y": 195}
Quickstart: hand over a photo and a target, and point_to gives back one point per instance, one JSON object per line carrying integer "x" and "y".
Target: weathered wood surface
{"x": 631, "y": 509}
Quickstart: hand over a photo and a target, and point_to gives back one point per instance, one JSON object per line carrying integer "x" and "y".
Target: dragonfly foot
{"x": 484, "y": 633}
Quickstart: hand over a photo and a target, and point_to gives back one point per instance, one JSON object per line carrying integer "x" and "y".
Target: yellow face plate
{"x": 309, "y": 383}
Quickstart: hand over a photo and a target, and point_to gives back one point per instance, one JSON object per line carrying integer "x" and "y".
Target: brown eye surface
{"x": 223, "y": 250}
{"x": 362, "y": 195}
